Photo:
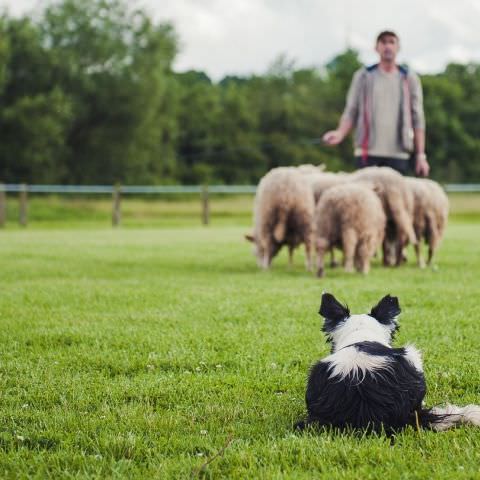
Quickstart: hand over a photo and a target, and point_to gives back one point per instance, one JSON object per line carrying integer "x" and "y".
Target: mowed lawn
{"x": 165, "y": 353}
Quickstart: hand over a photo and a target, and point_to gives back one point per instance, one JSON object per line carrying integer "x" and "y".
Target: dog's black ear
{"x": 332, "y": 311}
{"x": 387, "y": 310}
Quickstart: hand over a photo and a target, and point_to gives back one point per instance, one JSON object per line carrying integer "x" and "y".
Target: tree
{"x": 35, "y": 113}
{"x": 88, "y": 95}
{"x": 114, "y": 64}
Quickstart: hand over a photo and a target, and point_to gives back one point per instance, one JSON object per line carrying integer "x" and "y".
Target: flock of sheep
{"x": 359, "y": 213}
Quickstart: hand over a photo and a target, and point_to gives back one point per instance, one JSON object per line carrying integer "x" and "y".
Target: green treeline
{"x": 88, "y": 95}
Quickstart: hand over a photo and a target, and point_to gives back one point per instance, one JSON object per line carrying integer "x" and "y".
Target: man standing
{"x": 385, "y": 106}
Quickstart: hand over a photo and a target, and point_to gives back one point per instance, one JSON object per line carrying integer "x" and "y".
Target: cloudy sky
{"x": 244, "y": 36}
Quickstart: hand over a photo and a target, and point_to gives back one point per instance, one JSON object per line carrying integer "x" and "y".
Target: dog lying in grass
{"x": 365, "y": 383}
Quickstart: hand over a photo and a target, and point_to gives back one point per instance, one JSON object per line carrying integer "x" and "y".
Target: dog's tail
{"x": 450, "y": 416}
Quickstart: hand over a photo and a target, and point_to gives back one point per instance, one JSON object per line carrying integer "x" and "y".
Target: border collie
{"x": 365, "y": 383}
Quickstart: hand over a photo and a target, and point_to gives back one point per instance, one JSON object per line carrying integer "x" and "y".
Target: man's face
{"x": 387, "y": 47}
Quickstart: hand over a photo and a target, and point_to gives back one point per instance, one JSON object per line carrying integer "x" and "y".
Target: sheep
{"x": 283, "y": 215}
{"x": 320, "y": 181}
{"x": 430, "y": 215}
{"x": 309, "y": 168}
{"x": 397, "y": 201}
{"x": 323, "y": 181}
{"x": 350, "y": 217}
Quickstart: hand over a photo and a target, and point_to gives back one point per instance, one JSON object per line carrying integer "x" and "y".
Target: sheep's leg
{"x": 433, "y": 242}
{"x": 280, "y": 228}
{"x": 290, "y": 256}
{"x": 362, "y": 258}
{"x": 403, "y": 223}
{"x": 333, "y": 262}
{"x": 320, "y": 265}
{"x": 308, "y": 252}
{"x": 308, "y": 257}
{"x": 385, "y": 253}
{"x": 390, "y": 251}
{"x": 431, "y": 251}
{"x": 322, "y": 246}
{"x": 349, "y": 241}
{"x": 309, "y": 246}
{"x": 389, "y": 244}
{"x": 365, "y": 267}
{"x": 418, "y": 253}
{"x": 266, "y": 261}
{"x": 433, "y": 239}
{"x": 401, "y": 245}
{"x": 267, "y": 255}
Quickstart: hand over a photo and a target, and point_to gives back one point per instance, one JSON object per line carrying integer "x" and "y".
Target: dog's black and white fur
{"x": 367, "y": 384}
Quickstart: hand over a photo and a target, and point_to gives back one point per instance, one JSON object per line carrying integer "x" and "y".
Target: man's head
{"x": 387, "y": 46}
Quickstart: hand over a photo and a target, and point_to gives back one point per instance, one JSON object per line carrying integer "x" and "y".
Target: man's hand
{"x": 422, "y": 168}
{"x": 333, "y": 137}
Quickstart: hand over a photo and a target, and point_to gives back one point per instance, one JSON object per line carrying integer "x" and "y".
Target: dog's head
{"x": 343, "y": 329}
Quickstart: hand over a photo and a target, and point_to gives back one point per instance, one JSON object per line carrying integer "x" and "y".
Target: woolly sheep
{"x": 430, "y": 215}
{"x": 320, "y": 181}
{"x": 350, "y": 217}
{"x": 397, "y": 201}
{"x": 283, "y": 215}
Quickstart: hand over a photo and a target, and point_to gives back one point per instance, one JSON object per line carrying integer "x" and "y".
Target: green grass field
{"x": 164, "y": 352}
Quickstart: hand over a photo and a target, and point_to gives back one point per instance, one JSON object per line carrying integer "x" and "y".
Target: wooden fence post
{"x": 116, "y": 212}
{"x": 23, "y": 205}
{"x": 205, "y": 206}
{"x": 3, "y": 206}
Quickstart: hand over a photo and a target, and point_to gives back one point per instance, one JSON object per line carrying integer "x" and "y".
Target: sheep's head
{"x": 263, "y": 253}
{"x": 258, "y": 250}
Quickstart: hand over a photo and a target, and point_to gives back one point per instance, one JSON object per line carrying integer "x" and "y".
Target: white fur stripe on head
{"x": 360, "y": 328}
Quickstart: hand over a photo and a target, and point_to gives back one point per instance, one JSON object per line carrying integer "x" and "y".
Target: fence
{"x": 118, "y": 190}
